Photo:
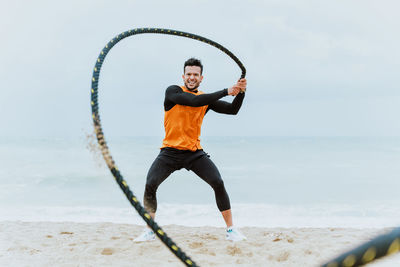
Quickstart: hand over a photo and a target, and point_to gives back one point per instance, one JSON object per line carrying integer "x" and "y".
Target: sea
{"x": 271, "y": 181}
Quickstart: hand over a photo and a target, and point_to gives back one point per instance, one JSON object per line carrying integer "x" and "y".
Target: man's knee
{"x": 150, "y": 199}
{"x": 150, "y": 191}
{"x": 218, "y": 184}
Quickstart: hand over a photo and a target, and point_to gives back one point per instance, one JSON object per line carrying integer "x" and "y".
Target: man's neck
{"x": 194, "y": 90}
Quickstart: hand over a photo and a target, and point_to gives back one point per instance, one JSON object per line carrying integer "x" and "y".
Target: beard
{"x": 194, "y": 88}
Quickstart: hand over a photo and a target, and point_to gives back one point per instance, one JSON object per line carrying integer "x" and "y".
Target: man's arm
{"x": 231, "y": 108}
{"x": 175, "y": 95}
{"x": 226, "y": 107}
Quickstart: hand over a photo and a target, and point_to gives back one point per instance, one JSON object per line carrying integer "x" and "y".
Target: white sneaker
{"x": 147, "y": 235}
{"x": 233, "y": 234}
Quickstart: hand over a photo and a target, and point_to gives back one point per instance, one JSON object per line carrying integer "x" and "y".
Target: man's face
{"x": 192, "y": 77}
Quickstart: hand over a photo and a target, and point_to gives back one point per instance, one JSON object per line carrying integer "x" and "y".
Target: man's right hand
{"x": 234, "y": 90}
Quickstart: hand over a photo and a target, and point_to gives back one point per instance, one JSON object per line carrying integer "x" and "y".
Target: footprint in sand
{"x": 196, "y": 244}
{"x": 283, "y": 256}
{"x": 206, "y": 251}
{"x": 209, "y": 237}
{"x": 267, "y": 234}
{"x": 233, "y": 250}
{"x": 66, "y": 233}
{"x": 282, "y": 237}
{"x": 34, "y": 251}
{"x": 203, "y": 250}
{"x": 308, "y": 252}
{"x": 107, "y": 251}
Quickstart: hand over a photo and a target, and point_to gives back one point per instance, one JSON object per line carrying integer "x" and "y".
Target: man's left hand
{"x": 242, "y": 84}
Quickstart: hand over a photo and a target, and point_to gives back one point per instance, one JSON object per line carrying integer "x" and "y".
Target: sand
{"x": 108, "y": 244}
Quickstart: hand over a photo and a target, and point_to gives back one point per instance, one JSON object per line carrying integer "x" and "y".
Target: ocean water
{"x": 271, "y": 181}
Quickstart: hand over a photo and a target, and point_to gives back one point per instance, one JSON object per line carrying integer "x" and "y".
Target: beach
{"x": 299, "y": 201}
{"x": 111, "y": 244}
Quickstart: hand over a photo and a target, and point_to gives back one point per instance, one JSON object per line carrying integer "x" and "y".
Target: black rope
{"x": 103, "y": 145}
{"x": 378, "y": 247}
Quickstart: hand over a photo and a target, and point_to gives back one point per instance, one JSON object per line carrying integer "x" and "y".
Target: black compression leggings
{"x": 201, "y": 165}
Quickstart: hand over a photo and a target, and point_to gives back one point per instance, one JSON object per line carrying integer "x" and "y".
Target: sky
{"x": 314, "y": 68}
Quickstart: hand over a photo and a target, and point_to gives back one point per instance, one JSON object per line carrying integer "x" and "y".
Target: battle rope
{"x": 103, "y": 145}
{"x": 380, "y": 246}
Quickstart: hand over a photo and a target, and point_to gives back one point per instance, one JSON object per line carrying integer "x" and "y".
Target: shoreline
{"x": 111, "y": 244}
{"x": 198, "y": 215}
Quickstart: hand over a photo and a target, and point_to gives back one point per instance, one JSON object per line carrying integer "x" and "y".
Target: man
{"x": 185, "y": 107}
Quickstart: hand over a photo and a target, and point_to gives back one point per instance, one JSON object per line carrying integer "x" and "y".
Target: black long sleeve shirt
{"x": 174, "y": 95}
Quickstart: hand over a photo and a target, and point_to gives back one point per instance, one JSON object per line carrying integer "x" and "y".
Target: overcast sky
{"x": 314, "y": 68}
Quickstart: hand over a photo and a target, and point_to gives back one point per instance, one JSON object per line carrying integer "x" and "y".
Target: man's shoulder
{"x": 173, "y": 88}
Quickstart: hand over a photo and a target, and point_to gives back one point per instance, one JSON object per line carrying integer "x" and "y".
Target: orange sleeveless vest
{"x": 183, "y": 126}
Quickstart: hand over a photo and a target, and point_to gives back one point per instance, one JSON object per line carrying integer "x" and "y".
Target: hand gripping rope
{"x": 103, "y": 145}
{"x": 380, "y": 246}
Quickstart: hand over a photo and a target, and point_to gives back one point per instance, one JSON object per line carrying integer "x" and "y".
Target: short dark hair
{"x": 193, "y": 62}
